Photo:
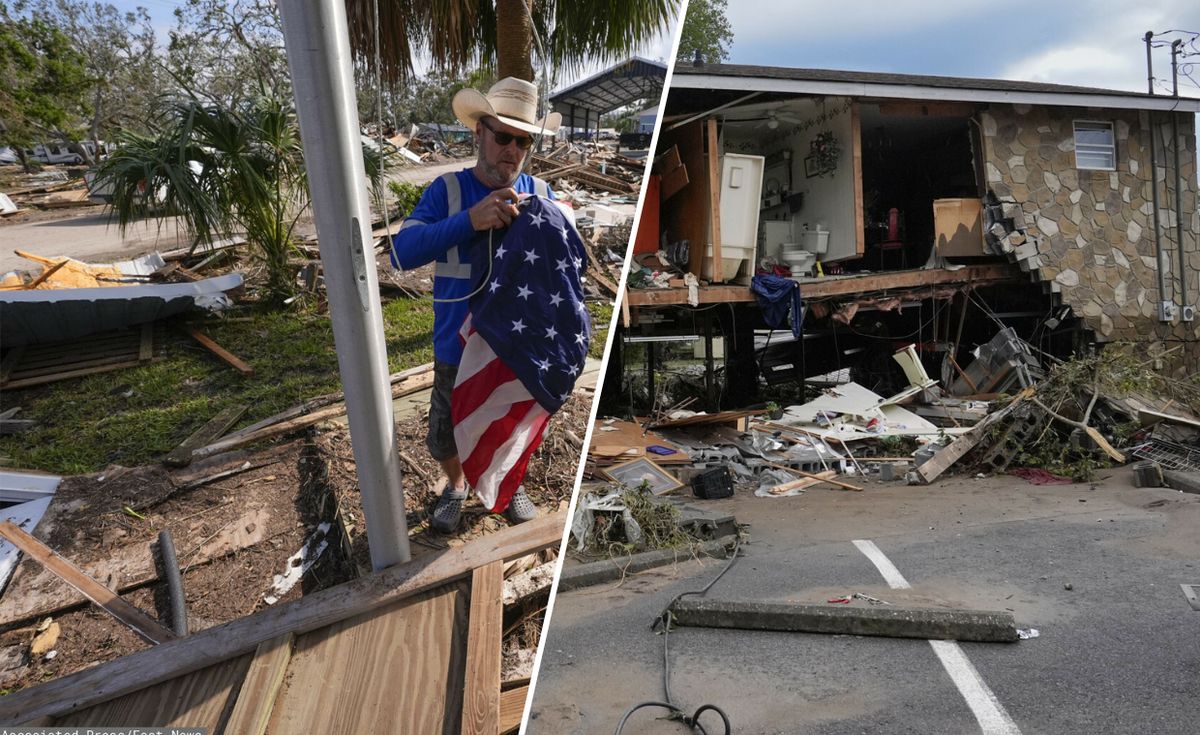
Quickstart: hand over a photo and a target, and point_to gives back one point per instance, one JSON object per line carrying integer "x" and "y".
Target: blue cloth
{"x": 531, "y": 310}
{"x": 777, "y": 297}
{"x": 428, "y": 235}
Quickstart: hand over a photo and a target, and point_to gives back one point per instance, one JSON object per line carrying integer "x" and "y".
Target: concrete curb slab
{"x": 607, "y": 570}
{"x": 893, "y": 622}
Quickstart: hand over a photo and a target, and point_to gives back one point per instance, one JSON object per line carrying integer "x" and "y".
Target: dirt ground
{"x": 232, "y": 536}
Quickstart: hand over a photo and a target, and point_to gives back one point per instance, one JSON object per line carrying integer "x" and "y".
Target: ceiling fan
{"x": 771, "y": 121}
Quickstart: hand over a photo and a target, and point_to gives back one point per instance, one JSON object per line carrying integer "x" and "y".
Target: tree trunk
{"x": 25, "y": 164}
{"x": 514, "y": 39}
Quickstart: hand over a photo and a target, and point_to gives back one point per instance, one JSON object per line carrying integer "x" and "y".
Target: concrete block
{"x": 884, "y": 620}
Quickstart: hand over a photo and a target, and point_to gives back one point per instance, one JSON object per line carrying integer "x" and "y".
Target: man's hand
{"x": 494, "y": 211}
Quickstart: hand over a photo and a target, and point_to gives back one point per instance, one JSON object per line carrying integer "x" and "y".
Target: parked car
{"x": 54, "y": 154}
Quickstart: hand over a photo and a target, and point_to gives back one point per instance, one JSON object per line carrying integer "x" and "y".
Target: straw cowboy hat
{"x": 512, "y": 101}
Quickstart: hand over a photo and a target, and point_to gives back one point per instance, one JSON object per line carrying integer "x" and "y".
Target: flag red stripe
{"x": 517, "y": 474}
{"x": 496, "y": 434}
{"x": 474, "y": 391}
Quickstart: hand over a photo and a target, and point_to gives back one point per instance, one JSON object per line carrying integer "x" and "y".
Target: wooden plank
{"x": 933, "y": 467}
{"x": 59, "y": 366}
{"x": 181, "y": 456}
{"x": 512, "y": 708}
{"x": 214, "y": 645}
{"x": 685, "y": 216}
{"x": 146, "y": 348}
{"x": 856, "y": 148}
{"x": 264, "y": 679}
{"x": 110, "y": 601}
{"x": 481, "y": 696}
{"x": 71, "y": 347}
{"x": 822, "y": 477}
{"x": 10, "y": 361}
{"x": 836, "y": 285}
{"x": 45, "y": 275}
{"x": 601, "y": 279}
{"x": 714, "y": 201}
{"x": 233, "y": 360}
{"x": 803, "y": 482}
{"x": 55, "y": 377}
{"x": 394, "y": 670}
{"x": 200, "y": 699}
{"x": 405, "y": 387}
{"x": 330, "y": 398}
{"x": 37, "y": 362}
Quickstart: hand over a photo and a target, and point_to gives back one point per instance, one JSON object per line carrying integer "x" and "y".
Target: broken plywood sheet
{"x": 202, "y": 698}
{"x": 613, "y": 439}
{"x": 426, "y": 634}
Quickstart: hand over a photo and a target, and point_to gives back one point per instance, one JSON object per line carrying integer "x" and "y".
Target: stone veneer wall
{"x": 1094, "y": 229}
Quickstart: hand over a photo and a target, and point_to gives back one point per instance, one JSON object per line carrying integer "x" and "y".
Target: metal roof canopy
{"x": 733, "y": 78}
{"x": 631, "y": 80}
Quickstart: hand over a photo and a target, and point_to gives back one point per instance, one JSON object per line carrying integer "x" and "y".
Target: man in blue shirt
{"x": 440, "y": 229}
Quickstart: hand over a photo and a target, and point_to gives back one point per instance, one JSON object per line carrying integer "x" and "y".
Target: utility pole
{"x": 1187, "y": 310}
{"x": 317, "y": 40}
{"x": 1164, "y": 307}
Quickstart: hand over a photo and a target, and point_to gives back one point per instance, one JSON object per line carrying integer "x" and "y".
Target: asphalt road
{"x": 1118, "y": 652}
{"x": 93, "y": 238}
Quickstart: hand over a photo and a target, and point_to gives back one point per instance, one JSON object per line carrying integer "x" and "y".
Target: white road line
{"x": 991, "y": 715}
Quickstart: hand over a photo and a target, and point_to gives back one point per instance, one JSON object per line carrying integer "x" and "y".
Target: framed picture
{"x": 633, "y": 473}
{"x": 812, "y": 168}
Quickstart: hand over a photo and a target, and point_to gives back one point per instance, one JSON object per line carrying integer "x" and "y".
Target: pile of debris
{"x": 54, "y": 189}
{"x": 1002, "y": 413}
{"x": 570, "y": 166}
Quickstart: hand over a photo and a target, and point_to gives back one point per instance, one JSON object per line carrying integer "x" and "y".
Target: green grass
{"x": 601, "y": 313}
{"x": 135, "y": 416}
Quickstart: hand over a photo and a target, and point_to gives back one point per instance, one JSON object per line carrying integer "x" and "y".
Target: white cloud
{"x": 799, "y": 20}
{"x": 1103, "y": 49}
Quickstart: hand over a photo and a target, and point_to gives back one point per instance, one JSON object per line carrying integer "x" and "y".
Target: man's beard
{"x": 496, "y": 176}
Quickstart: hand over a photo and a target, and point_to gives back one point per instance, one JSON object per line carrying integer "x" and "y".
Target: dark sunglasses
{"x": 524, "y": 142}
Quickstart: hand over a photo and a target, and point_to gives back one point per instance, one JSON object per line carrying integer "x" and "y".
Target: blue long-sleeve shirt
{"x": 431, "y": 235}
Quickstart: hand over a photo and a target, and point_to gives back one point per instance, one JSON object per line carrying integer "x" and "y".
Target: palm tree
{"x": 221, "y": 171}
{"x": 461, "y": 34}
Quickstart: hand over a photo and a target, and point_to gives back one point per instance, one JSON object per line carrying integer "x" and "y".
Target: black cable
{"x": 664, "y": 619}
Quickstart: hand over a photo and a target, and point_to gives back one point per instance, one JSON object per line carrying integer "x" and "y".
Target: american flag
{"x": 525, "y": 343}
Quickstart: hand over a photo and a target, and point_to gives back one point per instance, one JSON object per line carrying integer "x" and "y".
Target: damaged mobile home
{"x": 912, "y": 210}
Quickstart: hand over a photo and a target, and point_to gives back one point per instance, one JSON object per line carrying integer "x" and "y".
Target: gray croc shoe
{"x": 521, "y": 508}
{"x": 448, "y": 511}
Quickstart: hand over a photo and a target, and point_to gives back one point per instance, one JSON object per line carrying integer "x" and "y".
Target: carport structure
{"x": 631, "y": 80}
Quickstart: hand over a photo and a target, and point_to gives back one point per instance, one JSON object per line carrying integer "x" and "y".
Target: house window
{"x": 1095, "y": 146}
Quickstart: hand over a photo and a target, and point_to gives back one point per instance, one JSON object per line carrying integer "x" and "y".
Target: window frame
{"x": 1094, "y": 149}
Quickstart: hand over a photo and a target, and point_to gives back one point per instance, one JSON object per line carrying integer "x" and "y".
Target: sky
{"x": 1096, "y": 43}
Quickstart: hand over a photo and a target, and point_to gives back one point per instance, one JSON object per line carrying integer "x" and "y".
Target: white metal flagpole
{"x": 317, "y": 40}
